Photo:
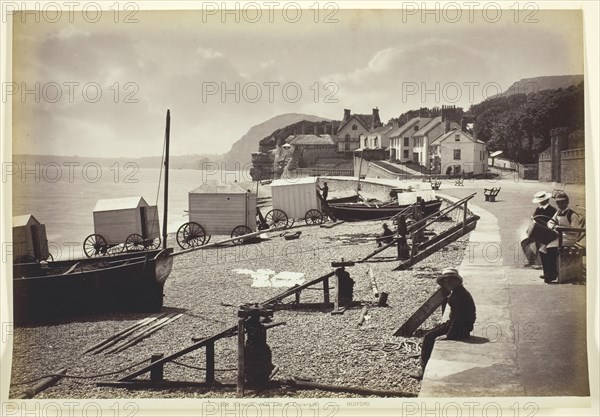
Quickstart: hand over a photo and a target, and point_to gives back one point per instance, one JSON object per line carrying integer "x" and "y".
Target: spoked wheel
{"x": 313, "y": 216}
{"x": 276, "y": 218}
{"x": 153, "y": 243}
{"x": 240, "y": 231}
{"x": 190, "y": 235}
{"x": 94, "y": 246}
{"x": 134, "y": 243}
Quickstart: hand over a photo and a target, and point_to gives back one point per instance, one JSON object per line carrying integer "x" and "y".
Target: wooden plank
{"x": 340, "y": 388}
{"x": 225, "y": 333}
{"x": 412, "y": 324}
{"x": 120, "y": 334}
{"x": 42, "y": 385}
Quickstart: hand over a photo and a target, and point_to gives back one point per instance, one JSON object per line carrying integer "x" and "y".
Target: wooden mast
{"x": 166, "y": 162}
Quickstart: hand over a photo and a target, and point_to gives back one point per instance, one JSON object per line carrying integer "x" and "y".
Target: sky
{"x": 92, "y": 84}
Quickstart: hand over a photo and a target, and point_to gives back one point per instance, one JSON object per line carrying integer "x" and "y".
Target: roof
{"x": 381, "y": 130}
{"x": 291, "y": 181}
{"x": 364, "y": 119}
{"x": 23, "y": 219}
{"x": 428, "y": 126}
{"x": 402, "y": 129}
{"x": 119, "y": 203}
{"x": 311, "y": 140}
{"x": 218, "y": 188}
{"x": 450, "y": 133}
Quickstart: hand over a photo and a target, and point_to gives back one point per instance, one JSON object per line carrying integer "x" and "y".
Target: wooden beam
{"x": 210, "y": 362}
{"x": 225, "y": 333}
{"x": 339, "y": 388}
{"x": 42, "y": 385}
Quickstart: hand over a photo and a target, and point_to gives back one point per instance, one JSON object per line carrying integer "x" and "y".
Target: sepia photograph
{"x": 299, "y": 208}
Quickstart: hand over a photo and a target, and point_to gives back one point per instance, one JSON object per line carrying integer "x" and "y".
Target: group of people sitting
{"x": 551, "y": 217}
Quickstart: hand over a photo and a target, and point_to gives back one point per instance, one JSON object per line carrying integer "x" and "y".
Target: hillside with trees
{"x": 519, "y": 125}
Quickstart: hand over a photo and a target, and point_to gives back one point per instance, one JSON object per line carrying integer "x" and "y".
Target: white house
{"x": 401, "y": 139}
{"x": 457, "y": 152}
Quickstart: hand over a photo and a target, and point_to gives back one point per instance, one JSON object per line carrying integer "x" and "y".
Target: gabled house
{"x": 353, "y": 126}
{"x": 378, "y": 138}
{"x": 401, "y": 139}
{"x": 422, "y": 138}
{"x": 457, "y": 152}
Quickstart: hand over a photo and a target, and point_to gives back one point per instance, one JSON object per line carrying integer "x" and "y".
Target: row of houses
{"x": 438, "y": 144}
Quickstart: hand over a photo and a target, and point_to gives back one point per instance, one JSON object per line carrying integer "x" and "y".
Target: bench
{"x": 491, "y": 193}
{"x": 435, "y": 185}
{"x": 459, "y": 182}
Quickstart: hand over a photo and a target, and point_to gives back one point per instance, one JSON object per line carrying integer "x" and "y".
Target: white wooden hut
{"x": 29, "y": 238}
{"x": 117, "y": 218}
{"x": 220, "y": 208}
{"x": 295, "y": 196}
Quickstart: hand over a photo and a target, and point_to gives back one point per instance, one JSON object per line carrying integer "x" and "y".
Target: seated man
{"x": 462, "y": 316}
{"x": 386, "y": 237}
{"x": 563, "y": 217}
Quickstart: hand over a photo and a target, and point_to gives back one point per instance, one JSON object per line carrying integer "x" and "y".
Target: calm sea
{"x": 63, "y": 197}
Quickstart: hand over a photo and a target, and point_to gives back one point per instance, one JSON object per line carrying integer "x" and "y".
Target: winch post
{"x": 254, "y": 355}
{"x": 344, "y": 286}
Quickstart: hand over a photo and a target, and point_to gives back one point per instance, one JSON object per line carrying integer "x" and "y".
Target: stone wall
{"x": 573, "y": 166}
{"x": 545, "y": 166}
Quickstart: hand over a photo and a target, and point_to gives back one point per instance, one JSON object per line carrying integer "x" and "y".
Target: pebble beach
{"x": 208, "y": 285}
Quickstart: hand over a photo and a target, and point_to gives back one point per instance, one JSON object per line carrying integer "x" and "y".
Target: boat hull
{"x": 358, "y": 212}
{"x": 129, "y": 282}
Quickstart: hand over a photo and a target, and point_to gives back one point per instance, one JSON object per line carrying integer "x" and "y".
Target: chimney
{"x": 316, "y": 130}
{"x": 396, "y": 124}
{"x": 376, "y": 121}
{"x": 346, "y": 114}
{"x": 463, "y": 124}
{"x": 303, "y": 130}
{"x": 447, "y": 125}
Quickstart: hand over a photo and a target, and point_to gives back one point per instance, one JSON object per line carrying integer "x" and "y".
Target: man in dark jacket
{"x": 386, "y": 237}
{"x": 462, "y": 316}
{"x": 543, "y": 212}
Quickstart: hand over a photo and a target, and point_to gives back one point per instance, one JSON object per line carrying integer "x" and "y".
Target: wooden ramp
{"x": 423, "y": 249}
{"x": 419, "y": 316}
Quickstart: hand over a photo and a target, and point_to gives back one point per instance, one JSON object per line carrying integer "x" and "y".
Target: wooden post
{"x": 326, "y": 290}
{"x": 166, "y": 200}
{"x": 241, "y": 339}
{"x": 465, "y": 216}
{"x": 210, "y": 363}
{"x": 157, "y": 372}
{"x": 297, "y": 294}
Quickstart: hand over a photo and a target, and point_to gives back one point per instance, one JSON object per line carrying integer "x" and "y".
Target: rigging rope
{"x": 82, "y": 376}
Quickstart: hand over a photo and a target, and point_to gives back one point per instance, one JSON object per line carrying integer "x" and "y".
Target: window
{"x": 375, "y": 143}
{"x": 406, "y": 142}
{"x": 457, "y": 137}
{"x": 416, "y": 128}
{"x": 347, "y": 146}
{"x": 354, "y": 127}
{"x": 415, "y": 142}
{"x": 365, "y": 142}
{"x": 347, "y": 137}
{"x": 457, "y": 154}
{"x": 405, "y": 153}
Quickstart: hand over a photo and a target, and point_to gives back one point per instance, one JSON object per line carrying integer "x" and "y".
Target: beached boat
{"x": 377, "y": 211}
{"x": 128, "y": 282}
